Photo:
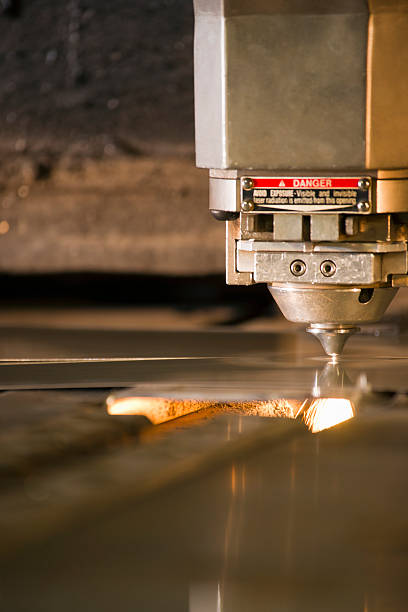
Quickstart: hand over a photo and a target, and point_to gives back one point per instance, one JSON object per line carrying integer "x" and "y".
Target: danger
{"x": 312, "y": 182}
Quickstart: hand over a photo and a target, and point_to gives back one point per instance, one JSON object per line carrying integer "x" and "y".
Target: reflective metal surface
{"x": 332, "y": 337}
{"x": 212, "y": 365}
{"x": 291, "y": 522}
{"x": 300, "y": 510}
{"x": 327, "y": 305}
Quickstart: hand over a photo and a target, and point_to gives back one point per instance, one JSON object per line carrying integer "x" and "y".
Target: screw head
{"x": 247, "y": 184}
{"x": 328, "y": 268}
{"x": 363, "y": 207}
{"x": 298, "y": 267}
{"x": 364, "y": 183}
{"x": 247, "y": 206}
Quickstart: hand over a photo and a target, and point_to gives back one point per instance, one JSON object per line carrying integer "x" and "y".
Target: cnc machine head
{"x": 301, "y": 119}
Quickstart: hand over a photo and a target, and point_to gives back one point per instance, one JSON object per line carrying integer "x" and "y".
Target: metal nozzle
{"x": 333, "y": 313}
{"x": 333, "y": 337}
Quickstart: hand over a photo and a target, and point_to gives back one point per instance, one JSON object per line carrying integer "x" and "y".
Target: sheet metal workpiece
{"x": 301, "y": 120}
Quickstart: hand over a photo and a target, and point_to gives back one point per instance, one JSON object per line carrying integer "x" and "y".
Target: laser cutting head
{"x": 301, "y": 119}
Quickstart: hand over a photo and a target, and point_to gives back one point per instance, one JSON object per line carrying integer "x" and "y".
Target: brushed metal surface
{"x": 333, "y": 305}
{"x": 392, "y": 195}
{"x": 236, "y": 511}
{"x": 251, "y": 515}
{"x": 229, "y": 8}
{"x": 280, "y": 88}
{"x": 387, "y": 85}
{"x": 216, "y": 365}
{"x": 232, "y": 236}
{"x": 307, "y": 115}
{"x": 358, "y": 269}
{"x": 224, "y": 194}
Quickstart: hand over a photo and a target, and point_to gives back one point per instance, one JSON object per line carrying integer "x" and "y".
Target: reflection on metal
{"x": 205, "y": 597}
{"x": 234, "y": 522}
{"x": 322, "y": 413}
{"x": 160, "y": 410}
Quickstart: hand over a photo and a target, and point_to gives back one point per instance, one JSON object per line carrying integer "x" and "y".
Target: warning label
{"x": 308, "y": 182}
{"x": 311, "y": 194}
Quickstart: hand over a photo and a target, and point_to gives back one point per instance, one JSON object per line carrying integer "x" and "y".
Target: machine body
{"x": 301, "y": 118}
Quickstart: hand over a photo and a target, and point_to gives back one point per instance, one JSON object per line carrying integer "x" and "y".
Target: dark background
{"x": 80, "y": 75}
{"x": 100, "y": 199}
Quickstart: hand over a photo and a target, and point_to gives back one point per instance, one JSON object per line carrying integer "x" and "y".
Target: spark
{"x": 323, "y": 413}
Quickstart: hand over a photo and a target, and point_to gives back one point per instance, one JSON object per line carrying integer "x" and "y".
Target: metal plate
{"x": 215, "y": 365}
{"x": 228, "y": 513}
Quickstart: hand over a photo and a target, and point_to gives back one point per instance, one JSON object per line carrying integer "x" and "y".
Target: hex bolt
{"x": 247, "y": 184}
{"x": 363, "y": 207}
{"x": 364, "y": 183}
{"x": 247, "y": 206}
{"x": 328, "y": 268}
{"x": 298, "y": 267}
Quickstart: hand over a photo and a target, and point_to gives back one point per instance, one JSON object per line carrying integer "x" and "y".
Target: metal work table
{"x": 212, "y": 511}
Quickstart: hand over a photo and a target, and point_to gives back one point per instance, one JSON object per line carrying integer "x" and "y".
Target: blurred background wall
{"x": 97, "y": 141}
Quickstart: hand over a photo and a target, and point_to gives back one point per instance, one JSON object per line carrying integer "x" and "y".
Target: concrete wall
{"x": 97, "y": 140}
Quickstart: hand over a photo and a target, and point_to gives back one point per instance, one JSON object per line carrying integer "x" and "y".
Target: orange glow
{"x": 318, "y": 414}
{"x": 156, "y": 409}
{"x": 233, "y": 480}
{"x": 323, "y": 413}
{"x": 4, "y": 227}
{"x": 160, "y": 410}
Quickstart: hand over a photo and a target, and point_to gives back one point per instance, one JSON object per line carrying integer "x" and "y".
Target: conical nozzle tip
{"x": 332, "y": 338}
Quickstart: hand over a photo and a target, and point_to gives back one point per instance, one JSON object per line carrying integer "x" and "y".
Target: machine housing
{"x": 301, "y": 119}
